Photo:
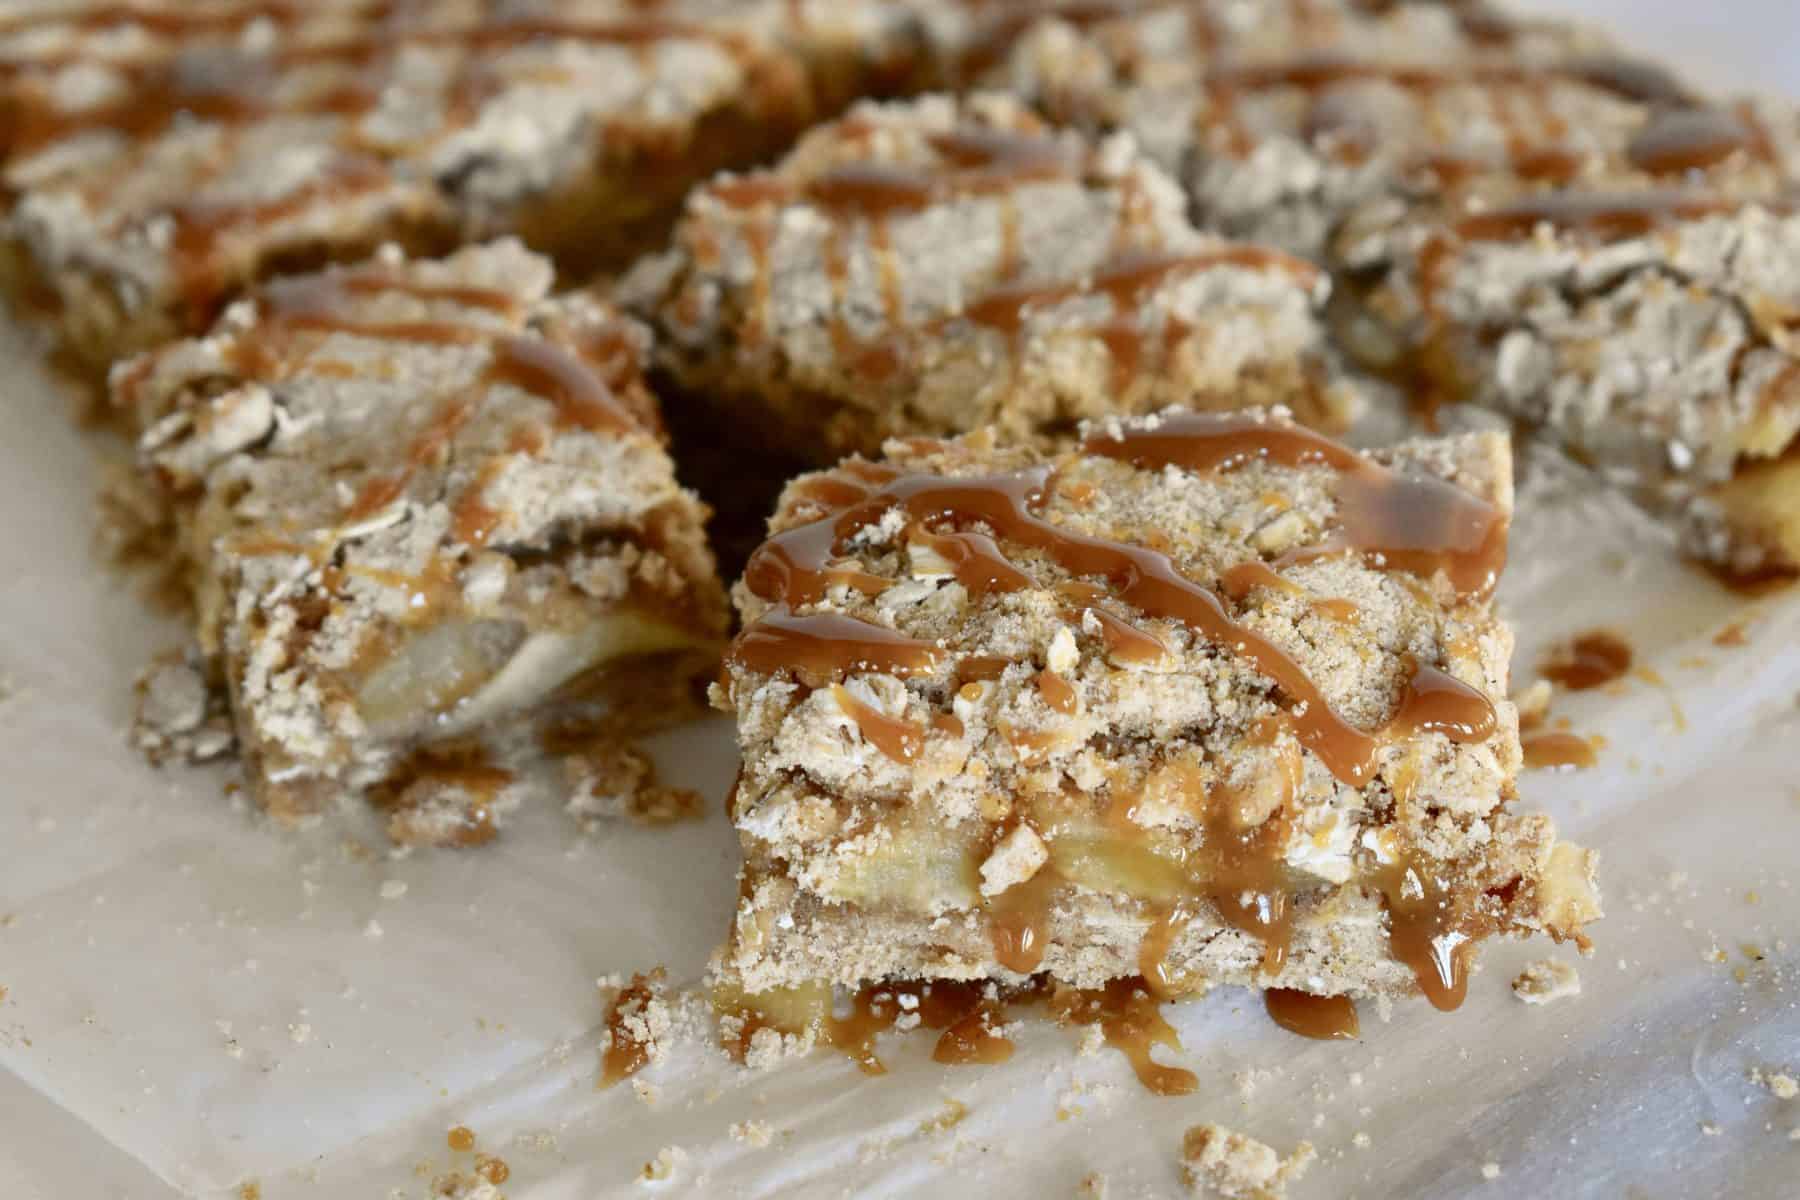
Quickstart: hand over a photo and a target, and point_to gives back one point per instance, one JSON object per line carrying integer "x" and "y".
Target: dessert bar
{"x": 1207, "y": 697}
{"x": 929, "y": 267}
{"x": 1514, "y": 215}
{"x": 414, "y": 498}
{"x": 159, "y": 158}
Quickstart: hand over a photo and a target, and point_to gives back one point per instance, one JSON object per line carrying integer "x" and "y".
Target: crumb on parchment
{"x": 1546, "y": 980}
{"x": 1222, "y": 1162}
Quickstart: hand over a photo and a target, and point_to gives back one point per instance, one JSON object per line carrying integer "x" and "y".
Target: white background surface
{"x": 138, "y": 910}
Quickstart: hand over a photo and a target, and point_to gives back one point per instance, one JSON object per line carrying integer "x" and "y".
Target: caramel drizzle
{"x": 969, "y": 1021}
{"x": 899, "y": 740}
{"x": 1588, "y": 660}
{"x": 1412, "y": 524}
{"x": 574, "y": 380}
{"x": 981, "y": 162}
{"x": 1325, "y": 1018}
{"x": 161, "y": 91}
{"x": 1557, "y": 750}
{"x": 1132, "y": 1022}
{"x": 1403, "y": 522}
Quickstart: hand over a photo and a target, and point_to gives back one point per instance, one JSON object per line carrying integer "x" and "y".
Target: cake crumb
{"x": 300, "y": 1033}
{"x": 752, "y": 1133}
{"x": 465, "y": 1185}
{"x": 1093, "y": 1186}
{"x": 178, "y": 715}
{"x": 1236, "y": 1167}
{"x": 663, "y": 1167}
{"x": 1490, "y": 1171}
{"x": 1360, "y": 1140}
{"x": 1781, "y": 1085}
{"x": 947, "y": 1118}
{"x": 540, "y": 1141}
{"x": 610, "y": 779}
{"x": 1546, "y": 980}
{"x": 372, "y": 930}
{"x": 1710, "y": 1129}
{"x": 392, "y": 889}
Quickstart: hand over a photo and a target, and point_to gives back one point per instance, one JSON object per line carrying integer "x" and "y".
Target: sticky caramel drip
{"x": 1322, "y": 1017}
{"x": 1557, "y": 750}
{"x": 1433, "y": 927}
{"x": 1437, "y": 702}
{"x": 1132, "y": 1022}
{"x": 1588, "y": 660}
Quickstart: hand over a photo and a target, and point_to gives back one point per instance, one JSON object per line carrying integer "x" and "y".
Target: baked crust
{"x": 1170, "y": 719}
{"x": 415, "y": 498}
{"x": 928, "y": 268}
{"x": 1516, "y": 215}
{"x": 159, "y": 162}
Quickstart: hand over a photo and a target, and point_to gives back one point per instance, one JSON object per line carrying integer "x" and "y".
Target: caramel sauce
{"x": 1153, "y": 952}
{"x": 1057, "y": 692}
{"x": 1126, "y": 643}
{"x": 1132, "y": 1022}
{"x": 977, "y": 563}
{"x": 1437, "y": 702}
{"x": 1555, "y": 750}
{"x": 1412, "y": 524}
{"x": 1433, "y": 928}
{"x": 1610, "y": 215}
{"x": 1417, "y": 524}
{"x": 544, "y": 369}
{"x": 825, "y": 646}
{"x": 980, "y": 667}
{"x": 1318, "y": 70}
{"x": 1589, "y": 660}
{"x": 1019, "y": 919}
{"x": 626, "y": 1055}
{"x": 1322, "y": 1017}
{"x": 899, "y": 740}
{"x": 967, "y": 1018}
{"x": 1687, "y": 139}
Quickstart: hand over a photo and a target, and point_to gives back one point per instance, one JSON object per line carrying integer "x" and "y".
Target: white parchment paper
{"x": 194, "y": 1002}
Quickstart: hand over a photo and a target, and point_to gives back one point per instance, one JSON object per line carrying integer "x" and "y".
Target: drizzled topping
{"x": 1400, "y": 522}
{"x": 339, "y": 67}
{"x": 973, "y": 160}
{"x": 1394, "y": 520}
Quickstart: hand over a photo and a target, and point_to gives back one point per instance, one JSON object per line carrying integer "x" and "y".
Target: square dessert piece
{"x": 1280, "y": 119}
{"x": 1208, "y": 698}
{"x": 1652, "y": 332}
{"x": 159, "y": 158}
{"x": 930, "y": 267}
{"x": 1515, "y": 216}
{"x": 416, "y": 498}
